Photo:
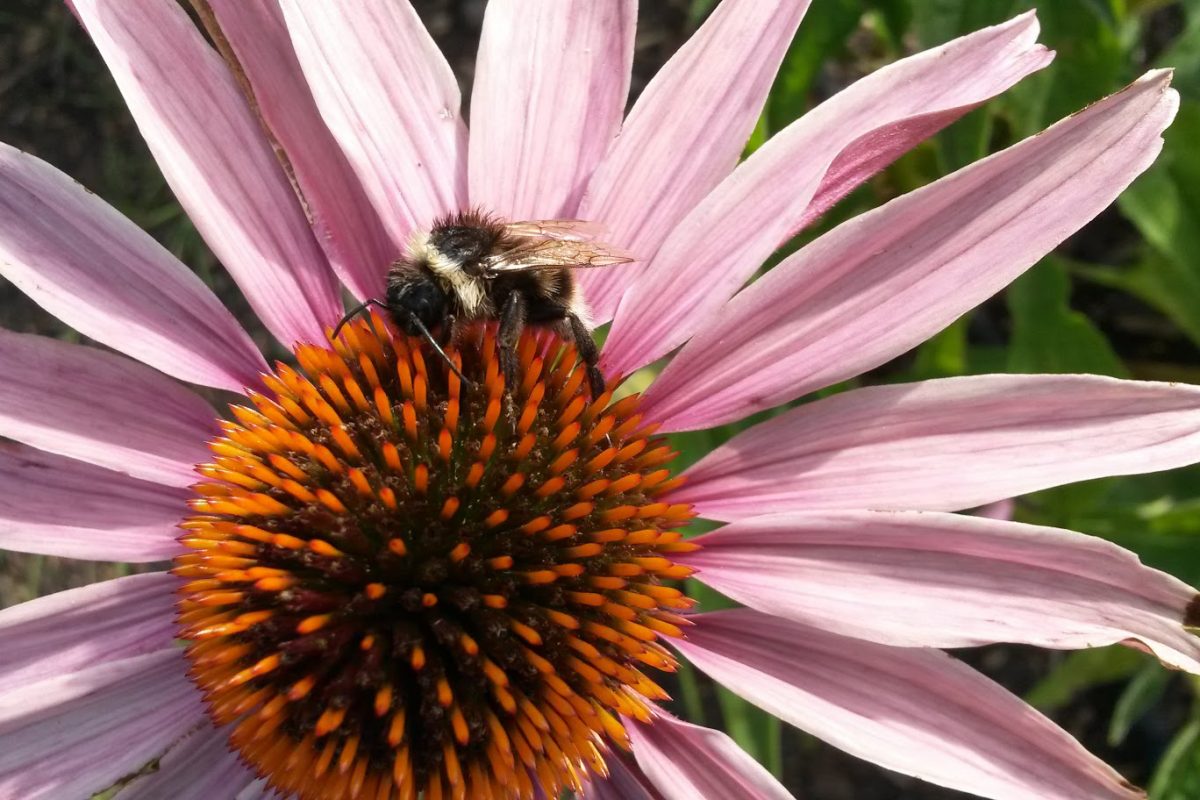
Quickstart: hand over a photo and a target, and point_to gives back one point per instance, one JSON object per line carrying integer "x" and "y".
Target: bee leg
{"x": 448, "y": 333}
{"x": 512, "y": 322}
{"x": 587, "y": 353}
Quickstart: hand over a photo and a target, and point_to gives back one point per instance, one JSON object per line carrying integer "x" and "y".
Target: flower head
{"x": 391, "y": 583}
{"x": 392, "y": 579}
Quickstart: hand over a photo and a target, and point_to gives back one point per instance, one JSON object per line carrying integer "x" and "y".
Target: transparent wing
{"x": 554, "y": 243}
{"x": 571, "y": 230}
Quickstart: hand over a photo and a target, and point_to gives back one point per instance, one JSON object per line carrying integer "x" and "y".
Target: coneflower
{"x": 389, "y": 583}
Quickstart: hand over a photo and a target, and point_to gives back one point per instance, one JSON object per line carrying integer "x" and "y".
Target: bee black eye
{"x": 423, "y": 299}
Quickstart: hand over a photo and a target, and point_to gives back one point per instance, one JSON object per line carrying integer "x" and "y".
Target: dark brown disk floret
{"x": 398, "y": 585}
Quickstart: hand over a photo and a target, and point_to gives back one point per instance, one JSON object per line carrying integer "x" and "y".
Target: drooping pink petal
{"x": 927, "y": 579}
{"x": 625, "y": 781}
{"x": 799, "y": 173}
{"x": 347, "y": 225}
{"x": 684, "y": 134}
{"x": 101, "y": 408}
{"x": 690, "y": 762}
{"x": 63, "y": 633}
{"x": 60, "y": 507}
{"x": 550, "y": 87}
{"x": 199, "y": 766}
{"x": 392, "y": 103}
{"x": 95, "y": 270}
{"x": 880, "y": 284}
{"x": 75, "y": 735}
{"x": 913, "y": 710}
{"x": 946, "y": 445}
{"x": 217, "y": 161}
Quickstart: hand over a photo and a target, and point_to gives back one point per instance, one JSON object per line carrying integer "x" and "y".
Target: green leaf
{"x": 1184, "y": 55}
{"x": 1164, "y": 204}
{"x": 1069, "y": 506}
{"x": 699, "y": 11}
{"x": 755, "y": 731}
{"x": 896, "y": 16}
{"x": 944, "y": 355}
{"x": 1082, "y": 670}
{"x": 966, "y": 141}
{"x": 1090, "y": 64}
{"x": 1138, "y": 699}
{"x": 821, "y": 37}
{"x": 1178, "y": 774}
{"x": 1175, "y": 553}
{"x": 1163, "y": 283}
{"x": 1048, "y": 336}
{"x": 939, "y": 21}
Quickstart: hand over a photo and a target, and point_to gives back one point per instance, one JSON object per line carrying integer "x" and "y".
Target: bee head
{"x": 420, "y": 298}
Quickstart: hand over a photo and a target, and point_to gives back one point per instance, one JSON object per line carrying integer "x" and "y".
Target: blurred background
{"x": 1120, "y": 298}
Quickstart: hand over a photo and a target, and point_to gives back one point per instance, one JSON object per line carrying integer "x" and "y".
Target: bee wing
{"x": 571, "y": 230}
{"x": 534, "y": 254}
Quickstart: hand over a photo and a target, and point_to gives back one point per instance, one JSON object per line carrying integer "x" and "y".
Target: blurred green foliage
{"x": 1120, "y": 298}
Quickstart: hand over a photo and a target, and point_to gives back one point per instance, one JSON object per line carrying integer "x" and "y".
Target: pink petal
{"x": 258, "y": 790}
{"x": 685, "y": 133}
{"x": 689, "y": 762}
{"x": 200, "y": 766}
{"x": 100, "y": 408}
{"x": 75, "y": 735}
{"x": 915, "y": 711}
{"x": 96, "y": 271}
{"x": 70, "y": 631}
{"x": 946, "y": 445}
{"x": 1001, "y": 509}
{"x": 216, "y": 159}
{"x": 878, "y": 285}
{"x": 625, "y": 781}
{"x": 550, "y": 87}
{"x": 799, "y": 173}
{"x": 347, "y": 226}
{"x": 922, "y": 579}
{"x": 391, "y": 101}
{"x": 60, "y": 507}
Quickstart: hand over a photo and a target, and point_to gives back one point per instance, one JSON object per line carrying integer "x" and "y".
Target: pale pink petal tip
{"x": 690, "y": 762}
{"x": 685, "y": 133}
{"x": 947, "y": 445}
{"x": 570, "y": 80}
{"x": 218, "y": 161}
{"x": 882, "y": 283}
{"x": 82, "y": 261}
{"x": 913, "y": 710}
{"x": 922, "y": 579}
{"x": 800, "y": 172}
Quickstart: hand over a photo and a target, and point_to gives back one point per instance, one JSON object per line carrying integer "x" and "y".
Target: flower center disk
{"x": 398, "y": 584}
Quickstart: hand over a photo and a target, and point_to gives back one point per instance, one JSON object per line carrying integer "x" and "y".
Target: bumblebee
{"x": 471, "y": 267}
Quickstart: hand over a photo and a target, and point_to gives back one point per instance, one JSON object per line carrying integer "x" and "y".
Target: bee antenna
{"x": 354, "y": 312}
{"x": 433, "y": 343}
{"x": 361, "y": 307}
